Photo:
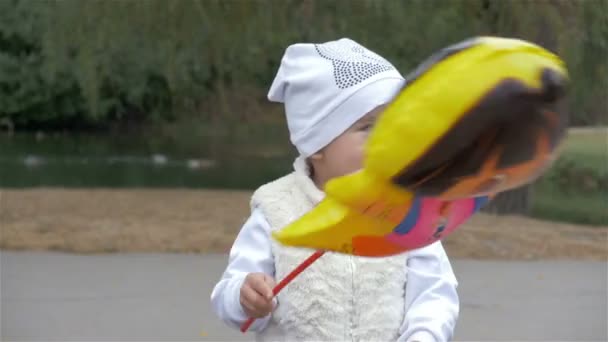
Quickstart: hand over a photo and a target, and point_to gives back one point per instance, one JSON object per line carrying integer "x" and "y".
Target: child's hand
{"x": 256, "y": 295}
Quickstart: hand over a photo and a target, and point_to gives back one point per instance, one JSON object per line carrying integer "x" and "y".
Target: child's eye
{"x": 366, "y": 127}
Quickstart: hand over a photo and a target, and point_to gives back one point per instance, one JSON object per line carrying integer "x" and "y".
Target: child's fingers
{"x": 249, "y": 294}
{"x": 263, "y": 287}
{"x": 249, "y": 309}
{"x": 269, "y": 281}
{"x": 253, "y": 295}
{"x": 255, "y": 303}
{"x": 248, "y": 297}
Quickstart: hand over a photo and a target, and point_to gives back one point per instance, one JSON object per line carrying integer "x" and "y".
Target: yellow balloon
{"x": 476, "y": 119}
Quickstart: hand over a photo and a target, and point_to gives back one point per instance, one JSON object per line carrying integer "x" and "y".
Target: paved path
{"x": 164, "y": 297}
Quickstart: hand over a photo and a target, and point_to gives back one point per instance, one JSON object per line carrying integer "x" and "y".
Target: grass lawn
{"x": 579, "y": 202}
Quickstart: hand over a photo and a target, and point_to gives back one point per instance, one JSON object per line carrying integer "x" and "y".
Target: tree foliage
{"x": 72, "y": 63}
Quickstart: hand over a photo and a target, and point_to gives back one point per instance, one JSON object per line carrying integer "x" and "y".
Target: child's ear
{"x": 310, "y": 164}
{"x": 317, "y": 156}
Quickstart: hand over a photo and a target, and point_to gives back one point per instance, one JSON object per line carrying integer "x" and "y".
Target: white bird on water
{"x": 195, "y": 164}
{"x": 32, "y": 161}
{"x": 159, "y": 159}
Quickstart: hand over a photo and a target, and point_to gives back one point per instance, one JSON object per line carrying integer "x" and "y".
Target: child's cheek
{"x": 347, "y": 153}
{"x": 355, "y": 156}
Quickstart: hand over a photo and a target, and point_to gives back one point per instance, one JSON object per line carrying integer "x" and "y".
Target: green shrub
{"x": 69, "y": 63}
{"x": 575, "y": 189}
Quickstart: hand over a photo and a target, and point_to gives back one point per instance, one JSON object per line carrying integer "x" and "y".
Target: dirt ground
{"x": 196, "y": 221}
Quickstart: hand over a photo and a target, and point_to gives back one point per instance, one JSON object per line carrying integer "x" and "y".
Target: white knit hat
{"x": 327, "y": 87}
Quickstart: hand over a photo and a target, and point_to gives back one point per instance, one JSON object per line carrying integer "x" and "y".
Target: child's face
{"x": 344, "y": 154}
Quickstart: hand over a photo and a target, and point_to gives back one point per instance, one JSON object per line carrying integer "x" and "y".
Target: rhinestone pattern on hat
{"x": 352, "y": 62}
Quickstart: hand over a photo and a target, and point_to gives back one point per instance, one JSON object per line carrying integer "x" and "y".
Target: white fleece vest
{"x": 339, "y": 297}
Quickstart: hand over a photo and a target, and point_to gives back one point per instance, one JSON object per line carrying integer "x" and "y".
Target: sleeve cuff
{"x": 238, "y": 312}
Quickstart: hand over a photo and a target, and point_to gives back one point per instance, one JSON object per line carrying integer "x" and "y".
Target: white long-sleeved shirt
{"x": 431, "y": 299}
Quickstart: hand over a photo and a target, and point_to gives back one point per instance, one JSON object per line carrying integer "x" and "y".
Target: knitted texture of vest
{"x": 338, "y": 298}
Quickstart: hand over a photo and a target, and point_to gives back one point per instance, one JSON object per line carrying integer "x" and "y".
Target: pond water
{"x": 31, "y": 160}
